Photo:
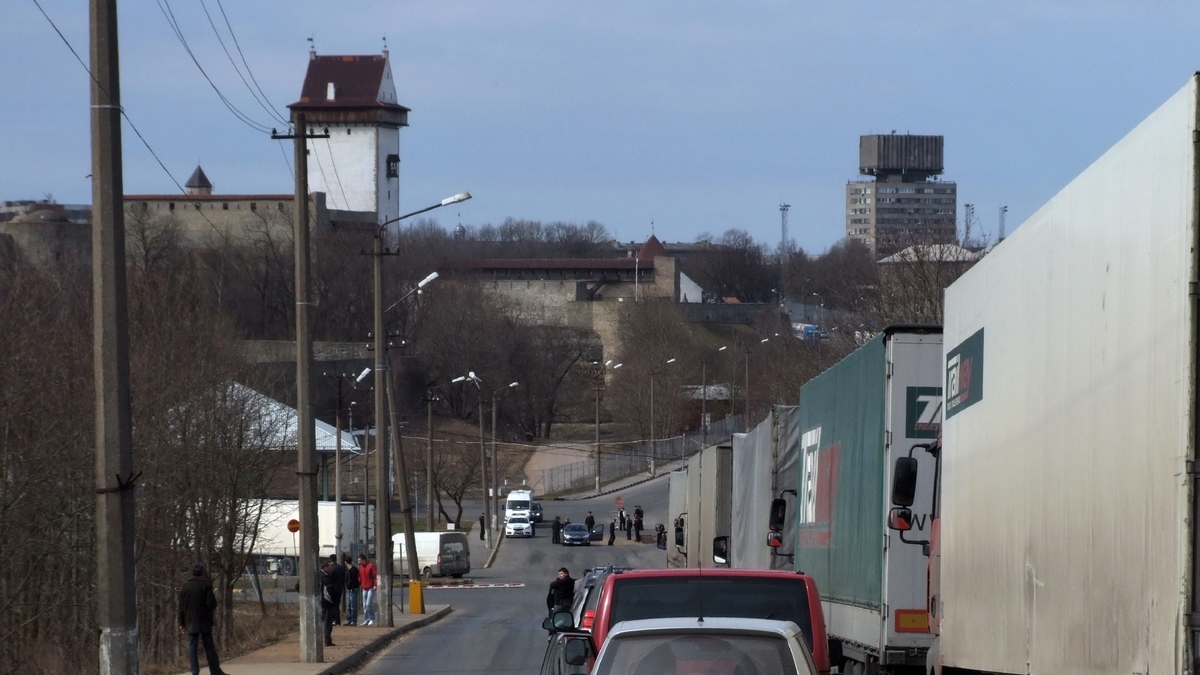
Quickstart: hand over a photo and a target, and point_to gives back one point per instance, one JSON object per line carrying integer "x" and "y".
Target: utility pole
{"x": 430, "y": 399}
{"x": 783, "y": 253}
{"x": 598, "y": 431}
{"x": 496, "y": 471}
{"x": 1003, "y": 210}
{"x": 415, "y": 596}
{"x": 116, "y": 593}
{"x": 651, "y": 423}
{"x": 383, "y": 497}
{"x": 704, "y": 402}
{"x": 487, "y": 500}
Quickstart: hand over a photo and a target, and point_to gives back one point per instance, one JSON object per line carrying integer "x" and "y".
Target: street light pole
{"x": 653, "y": 373}
{"x": 495, "y": 461}
{"x": 599, "y": 384}
{"x": 487, "y": 502}
{"x": 383, "y": 507}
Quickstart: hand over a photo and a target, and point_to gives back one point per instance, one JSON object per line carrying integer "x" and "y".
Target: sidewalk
{"x": 354, "y": 645}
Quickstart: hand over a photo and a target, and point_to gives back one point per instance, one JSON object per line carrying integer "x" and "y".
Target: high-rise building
{"x": 902, "y": 203}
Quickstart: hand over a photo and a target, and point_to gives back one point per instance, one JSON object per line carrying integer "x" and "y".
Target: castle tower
{"x": 358, "y": 166}
{"x": 199, "y": 184}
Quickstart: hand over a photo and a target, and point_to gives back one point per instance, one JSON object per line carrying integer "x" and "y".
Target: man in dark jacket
{"x": 612, "y": 532}
{"x": 330, "y": 595}
{"x": 337, "y": 573}
{"x": 197, "y": 602}
{"x": 556, "y": 531}
{"x": 562, "y": 591}
{"x": 590, "y": 521}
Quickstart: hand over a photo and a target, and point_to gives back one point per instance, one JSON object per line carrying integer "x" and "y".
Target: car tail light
{"x": 589, "y": 617}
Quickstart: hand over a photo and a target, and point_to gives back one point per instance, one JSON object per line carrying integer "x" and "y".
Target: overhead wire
{"x": 261, "y": 101}
{"x": 333, "y": 161}
{"x": 165, "y": 7}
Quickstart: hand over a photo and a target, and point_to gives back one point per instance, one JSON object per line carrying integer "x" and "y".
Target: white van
{"x": 519, "y": 503}
{"x": 439, "y": 554}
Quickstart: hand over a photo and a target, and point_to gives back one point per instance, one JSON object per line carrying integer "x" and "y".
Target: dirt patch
{"x": 252, "y": 630}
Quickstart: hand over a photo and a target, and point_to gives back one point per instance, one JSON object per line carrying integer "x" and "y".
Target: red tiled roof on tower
{"x": 652, "y": 249}
{"x": 349, "y": 83}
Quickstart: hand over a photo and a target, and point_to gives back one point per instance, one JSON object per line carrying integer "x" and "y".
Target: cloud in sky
{"x": 697, "y": 116}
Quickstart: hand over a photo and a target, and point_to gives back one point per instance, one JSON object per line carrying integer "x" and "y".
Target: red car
{"x": 681, "y": 592}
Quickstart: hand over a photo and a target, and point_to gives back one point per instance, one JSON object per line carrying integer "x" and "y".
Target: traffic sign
{"x": 293, "y": 526}
{"x": 619, "y": 502}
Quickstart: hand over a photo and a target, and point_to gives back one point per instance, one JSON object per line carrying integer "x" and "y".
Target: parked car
{"x": 583, "y": 609}
{"x": 692, "y": 592}
{"x": 579, "y": 644}
{"x": 518, "y": 526}
{"x": 576, "y": 534}
{"x": 535, "y": 512}
{"x": 439, "y": 554}
{"x": 717, "y": 645}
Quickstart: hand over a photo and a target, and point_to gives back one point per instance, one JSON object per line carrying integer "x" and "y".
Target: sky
{"x": 651, "y": 116}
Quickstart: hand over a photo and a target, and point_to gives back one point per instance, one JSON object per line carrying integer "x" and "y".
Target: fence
{"x": 627, "y": 460}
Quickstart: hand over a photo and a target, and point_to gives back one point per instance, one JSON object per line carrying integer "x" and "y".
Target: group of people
{"x": 347, "y": 578}
{"x": 198, "y": 603}
{"x": 630, "y": 524}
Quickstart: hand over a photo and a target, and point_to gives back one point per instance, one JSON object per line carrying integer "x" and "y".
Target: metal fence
{"x": 618, "y": 462}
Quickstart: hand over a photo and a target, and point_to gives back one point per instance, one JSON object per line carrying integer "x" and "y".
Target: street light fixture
{"x": 383, "y": 508}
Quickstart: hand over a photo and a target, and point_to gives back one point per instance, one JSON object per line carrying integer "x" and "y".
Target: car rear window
{"x": 671, "y": 654}
{"x": 745, "y": 597}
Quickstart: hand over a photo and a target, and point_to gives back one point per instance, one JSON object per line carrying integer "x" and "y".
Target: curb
{"x": 368, "y": 650}
{"x": 495, "y": 549}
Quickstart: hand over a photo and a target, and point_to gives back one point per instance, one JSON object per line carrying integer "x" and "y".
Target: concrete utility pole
{"x": 383, "y": 495}
{"x": 116, "y": 597}
{"x": 312, "y": 649}
{"x": 415, "y": 595}
{"x": 430, "y": 399}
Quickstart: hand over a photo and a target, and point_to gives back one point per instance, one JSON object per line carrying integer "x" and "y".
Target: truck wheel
{"x": 287, "y": 568}
{"x": 426, "y": 573}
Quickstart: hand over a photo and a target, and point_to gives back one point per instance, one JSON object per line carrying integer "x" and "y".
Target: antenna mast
{"x": 1003, "y": 210}
{"x": 968, "y": 216}
{"x": 783, "y": 252}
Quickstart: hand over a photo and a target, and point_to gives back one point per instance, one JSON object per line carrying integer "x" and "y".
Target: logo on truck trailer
{"x": 818, "y": 489}
{"x": 964, "y": 375}
{"x": 923, "y": 412}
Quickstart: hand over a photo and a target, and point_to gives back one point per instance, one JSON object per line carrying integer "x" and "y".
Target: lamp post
{"x": 495, "y": 462}
{"x": 599, "y": 384}
{"x": 653, "y": 373}
{"x": 487, "y": 502}
{"x": 383, "y": 515}
{"x": 337, "y": 459}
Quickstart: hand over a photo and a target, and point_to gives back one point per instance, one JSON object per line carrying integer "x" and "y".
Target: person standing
{"x": 197, "y": 602}
{"x": 621, "y": 515}
{"x": 337, "y": 573}
{"x": 589, "y": 521}
{"x": 482, "y": 525}
{"x": 612, "y": 532}
{"x": 330, "y": 595}
{"x": 352, "y": 585}
{"x": 562, "y": 590}
{"x": 556, "y": 531}
{"x": 628, "y": 528}
{"x": 368, "y": 581}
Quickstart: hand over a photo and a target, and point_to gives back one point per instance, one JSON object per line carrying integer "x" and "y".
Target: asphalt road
{"x": 498, "y": 629}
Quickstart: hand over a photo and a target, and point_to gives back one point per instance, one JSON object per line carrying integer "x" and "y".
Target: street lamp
{"x": 653, "y": 372}
{"x": 383, "y": 507}
{"x": 487, "y": 502}
{"x": 599, "y": 383}
{"x": 337, "y": 458}
{"x": 495, "y": 462}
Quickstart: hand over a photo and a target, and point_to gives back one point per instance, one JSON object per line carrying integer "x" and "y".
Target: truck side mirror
{"x": 777, "y": 515}
{"x": 774, "y": 539}
{"x": 900, "y": 518}
{"x": 679, "y": 540}
{"x": 904, "y": 481}
{"x": 721, "y": 551}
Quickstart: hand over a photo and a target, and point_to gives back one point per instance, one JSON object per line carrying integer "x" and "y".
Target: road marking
{"x": 517, "y": 585}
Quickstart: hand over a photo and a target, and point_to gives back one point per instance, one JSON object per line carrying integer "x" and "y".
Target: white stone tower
{"x": 358, "y": 166}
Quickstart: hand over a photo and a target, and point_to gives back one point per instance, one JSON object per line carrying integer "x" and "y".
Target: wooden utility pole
{"x": 116, "y": 592}
{"x": 383, "y": 493}
{"x": 430, "y": 399}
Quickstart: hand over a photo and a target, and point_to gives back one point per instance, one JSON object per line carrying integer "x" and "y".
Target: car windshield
{"x": 576, "y": 528}
{"x": 708, "y": 652}
{"x": 518, "y": 505}
{"x": 518, "y": 519}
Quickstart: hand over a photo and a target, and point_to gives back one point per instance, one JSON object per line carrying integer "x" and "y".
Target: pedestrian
{"x": 638, "y": 513}
{"x": 330, "y": 596}
{"x": 337, "y": 574}
{"x": 197, "y": 602}
{"x": 621, "y": 515}
{"x": 612, "y": 532}
{"x": 368, "y": 581}
{"x": 482, "y": 525}
{"x": 353, "y": 583}
{"x": 637, "y": 528}
{"x": 556, "y": 531}
{"x": 589, "y": 521}
{"x": 561, "y": 592}
{"x": 629, "y": 528}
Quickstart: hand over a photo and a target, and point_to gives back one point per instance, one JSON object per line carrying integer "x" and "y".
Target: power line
{"x": 238, "y": 70}
{"x": 336, "y": 177}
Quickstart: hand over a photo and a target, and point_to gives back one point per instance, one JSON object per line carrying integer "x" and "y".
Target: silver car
{"x": 576, "y": 534}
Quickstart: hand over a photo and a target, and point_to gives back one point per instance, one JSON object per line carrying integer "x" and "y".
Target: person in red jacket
{"x": 368, "y": 581}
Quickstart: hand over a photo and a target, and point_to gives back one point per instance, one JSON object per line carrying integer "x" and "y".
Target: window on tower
{"x": 393, "y": 166}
